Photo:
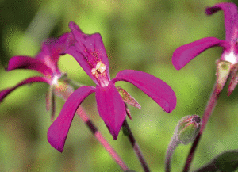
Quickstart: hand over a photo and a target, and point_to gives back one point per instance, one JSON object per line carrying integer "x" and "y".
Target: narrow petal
{"x": 111, "y": 108}
{"x": 57, "y": 132}
{"x": 154, "y": 87}
{"x": 4, "y": 93}
{"x": 230, "y": 11}
{"x": 187, "y": 52}
{"x": 92, "y": 42}
{"x": 99, "y": 47}
{"x": 25, "y": 62}
{"x": 89, "y": 51}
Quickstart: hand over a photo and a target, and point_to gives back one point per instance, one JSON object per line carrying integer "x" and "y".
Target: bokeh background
{"x": 138, "y": 35}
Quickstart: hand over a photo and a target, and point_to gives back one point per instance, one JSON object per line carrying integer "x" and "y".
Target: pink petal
{"x": 80, "y": 59}
{"x": 4, "y": 93}
{"x": 57, "y": 133}
{"x": 154, "y": 87}
{"x": 88, "y": 49}
{"x": 187, "y": 52}
{"x": 51, "y": 50}
{"x": 230, "y": 12}
{"x": 111, "y": 108}
{"x": 26, "y": 62}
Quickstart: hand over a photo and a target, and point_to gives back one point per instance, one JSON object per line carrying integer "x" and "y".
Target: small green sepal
{"x": 127, "y": 98}
{"x": 223, "y": 71}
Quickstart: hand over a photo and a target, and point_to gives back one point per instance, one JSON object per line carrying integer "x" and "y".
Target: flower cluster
{"x": 45, "y": 62}
{"x": 90, "y": 53}
{"x": 229, "y": 58}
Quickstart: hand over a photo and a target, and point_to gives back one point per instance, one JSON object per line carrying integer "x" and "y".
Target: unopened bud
{"x": 187, "y": 129}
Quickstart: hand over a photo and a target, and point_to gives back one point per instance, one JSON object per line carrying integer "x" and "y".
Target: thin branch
{"x": 171, "y": 148}
{"x": 136, "y": 147}
{"x": 208, "y": 112}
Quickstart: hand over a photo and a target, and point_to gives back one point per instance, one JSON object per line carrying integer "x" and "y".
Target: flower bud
{"x": 187, "y": 129}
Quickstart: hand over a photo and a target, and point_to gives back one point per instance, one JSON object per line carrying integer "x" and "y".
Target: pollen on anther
{"x": 99, "y": 69}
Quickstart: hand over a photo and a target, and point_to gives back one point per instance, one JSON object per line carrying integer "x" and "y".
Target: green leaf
{"x": 225, "y": 162}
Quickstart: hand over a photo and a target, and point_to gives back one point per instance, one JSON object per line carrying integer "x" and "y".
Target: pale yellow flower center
{"x": 99, "y": 69}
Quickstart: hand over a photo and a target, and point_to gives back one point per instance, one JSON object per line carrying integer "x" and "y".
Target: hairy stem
{"x": 136, "y": 147}
{"x": 81, "y": 113}
{"x": 208, "y": 112}
{"x": 170, "y": 151}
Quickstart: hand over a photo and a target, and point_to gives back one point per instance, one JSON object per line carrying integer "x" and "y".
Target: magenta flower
{"x": 45, "y": 62}
{"x": 90, "y": 53}
{"x": 185, "y": 53}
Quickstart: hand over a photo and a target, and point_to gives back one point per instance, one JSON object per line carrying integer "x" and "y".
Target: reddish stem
{"x": 208, "y": 112}
{"x": 136, "y": 147}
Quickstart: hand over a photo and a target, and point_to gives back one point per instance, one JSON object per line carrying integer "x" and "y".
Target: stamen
{"x": 101, "y": 67}
{"x": 99, "y": 70}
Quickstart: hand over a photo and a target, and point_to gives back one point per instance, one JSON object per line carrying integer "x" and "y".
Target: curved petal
{"x": 230, "y": 12}
{"x": 57, "y": 132}
{"x": 26, "y": 62}
{"x": 93, "y": 42}
{"x": 4, "y": 93}
{"x": 187, "y": 52}
{"x": 88, "y": 51}
{"x": 51, "y": 50}
{"x": 111, "y": 108}
{"x": 154, "y": 87}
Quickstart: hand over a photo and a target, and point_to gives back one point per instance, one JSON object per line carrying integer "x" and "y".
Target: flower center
{"x": 99, "y": 72}
{"x": 55, "y": 80}
{"x": 99, "y": 69}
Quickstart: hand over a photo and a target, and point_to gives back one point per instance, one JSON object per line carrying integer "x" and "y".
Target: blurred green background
{"x": 138, "y": 35}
